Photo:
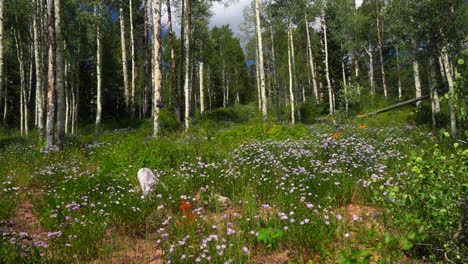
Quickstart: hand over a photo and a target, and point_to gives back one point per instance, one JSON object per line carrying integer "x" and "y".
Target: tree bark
{"x": 291, "y": 90}
{"x": 124, "y": 57}
{"x": 327, "y": 71}
{"x": 448, "y": 75}
{"x": 187, "y": 63}
{"x": 23, "y": 101}
{"x": 50, "y": 123}
{"x": 39, "y": 69}
{"x": 260, "y": 56}
{"x": 398, "y": 73}
{"x": 132, "y": 50}
{"x": 417, "y": 79}
{"x": 157, "y": 70}
{"x": 59, "y": 85}
{"x": 99, "y": 79}
{"x": 202, "y": 94}
{"x": 371, "y": 69}
{"x": 395, "y": 106}
{"x": 311, "y": 61}
{"x": 433, "y": 93}
{"x": 257, "y": 75}
{"x": 175, "y": 87}
{"x": 379, "y": 38}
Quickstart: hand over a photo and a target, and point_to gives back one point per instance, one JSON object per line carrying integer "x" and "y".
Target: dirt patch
{"x": 25, "y": 221}
{"x": 271, "y": 257}
{"x": 130, "y": 249}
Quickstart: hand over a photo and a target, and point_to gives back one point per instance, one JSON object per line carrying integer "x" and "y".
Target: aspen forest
{"x": 233, "y": 131}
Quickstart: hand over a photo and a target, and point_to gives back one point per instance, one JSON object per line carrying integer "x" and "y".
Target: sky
{"x": 232, "y": 15}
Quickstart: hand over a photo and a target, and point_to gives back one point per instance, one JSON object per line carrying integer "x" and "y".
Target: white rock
{"x": 147, "y": 180}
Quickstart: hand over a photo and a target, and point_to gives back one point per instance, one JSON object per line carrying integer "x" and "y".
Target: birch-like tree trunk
{"x": 23, "y": 101}
{"x": 202, "y": 94}
{"x": 175, "y": 87}
{"x": 345, "y": 85}
{"x": 371, "y": 69}
{"x": 123, "y": 44}
{"x": 67, "y": 101}
{"x": 132, "y": 50}
{"x": 187, "y": 63}
{"x": 398, "y": 72}
{"x": 311, "y": 61}
{"x": 379, "y": 39}
{"x": 257, "y": 75}
{"x": 417, "y": 79}
{"x": 50, "y": 123}
{"x": 290, "y": 70}
{"x": 99, "y": 78}
{"x": 433, "y": 93}
{"x": 59, "y": 85}
{"x": 448, "y": 76}
{"x": 157, "y": 70}
{"x": 38, "y": 67}
{"x": 327, "y": 70}
{"x": 260, "y": 62}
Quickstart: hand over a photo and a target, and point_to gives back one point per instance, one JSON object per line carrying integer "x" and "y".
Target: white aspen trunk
{"x": 382, "y": 66}
{"x": 157, "y": 80}
{"x": 76, "y": 101}
{"x": 1, "y": 53}
{"x": 202, "y": 94}
{"x": 371, "y": 69}
{"x": 224, "y": 86}
{"x": 448, "y": 74}
{"x": 311, "y": 61}
{"x": 50, "y": 122}
{"x": 400, "y": 95}
{"x": 291, "y": 90}
{"x": 259, "y": 89}
{"x": 433, "y": 93}
{"x": 345, "y": 86}
{"x": 327, "y": 71}
{"x": 260, "y": 56}
{"x": 99, "y": 79}
{"x": 356, "y": 65}
{"x": 123, "y": 44}
{"x": 417, "y": 79}
{"x": 237, "y": 88}
{"x": 132, "y": 50}
{"x": 59, "y": 85}
{"x": 23, "y": 101}
{"x": 442, "y": 70}
{"x": 187, "y": 64}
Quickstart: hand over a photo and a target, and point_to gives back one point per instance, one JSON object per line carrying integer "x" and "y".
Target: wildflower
{"x": 337, "y": 135}
{"x": 246, "y": 250}
{"x": 361, "y": 127}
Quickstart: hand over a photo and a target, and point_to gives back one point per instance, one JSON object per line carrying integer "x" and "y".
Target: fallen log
{"x": 394, "y": 106}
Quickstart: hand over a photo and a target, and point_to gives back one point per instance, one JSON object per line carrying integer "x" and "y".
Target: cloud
{"x": 229, "y": 15}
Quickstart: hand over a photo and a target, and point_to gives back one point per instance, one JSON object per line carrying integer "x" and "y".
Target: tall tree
{"x": 98, "y": 73}
{"x": 157, "y": 70}
{"x": 124, "y": 57}
{"x": 38, "y": 67}
{"x": 59, "y": 85}
{"x": 187, "y": 94}
{"x": 132, "y": 53}
{"x": 50, "y": 124}
{"x": 260, "y": 61}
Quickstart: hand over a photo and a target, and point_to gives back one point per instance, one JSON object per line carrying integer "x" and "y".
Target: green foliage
{"x": 269, "y": 235}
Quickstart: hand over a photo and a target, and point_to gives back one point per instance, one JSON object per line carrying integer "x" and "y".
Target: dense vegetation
{"x": 378, "y": 190}
{"x": 266, "y": 146}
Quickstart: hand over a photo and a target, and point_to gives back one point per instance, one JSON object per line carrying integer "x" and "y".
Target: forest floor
{"x": 236, "y": 190}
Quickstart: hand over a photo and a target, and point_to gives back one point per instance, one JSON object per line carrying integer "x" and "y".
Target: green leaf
{"x": 461, "y": 61}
